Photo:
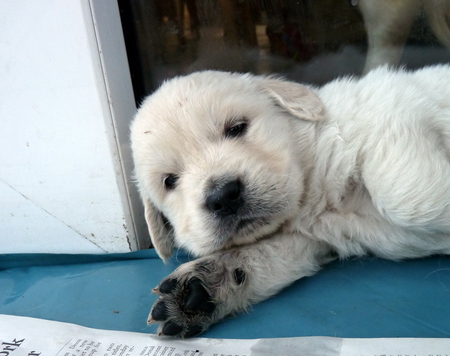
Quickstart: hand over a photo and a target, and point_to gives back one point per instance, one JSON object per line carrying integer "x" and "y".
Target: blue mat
{"x": 354, "y": 298}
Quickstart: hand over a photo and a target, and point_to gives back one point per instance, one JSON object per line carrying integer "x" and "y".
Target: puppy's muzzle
{"x": 226, "y": 199}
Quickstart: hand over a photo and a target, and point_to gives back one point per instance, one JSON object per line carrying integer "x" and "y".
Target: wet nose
{"x": 225, "y": 200}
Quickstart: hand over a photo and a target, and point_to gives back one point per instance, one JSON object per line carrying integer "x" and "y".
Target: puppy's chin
{"x": 252, "y": 230}
{"x": 237, "y": 233}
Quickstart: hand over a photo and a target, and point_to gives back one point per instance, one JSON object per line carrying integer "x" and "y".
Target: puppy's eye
{"x": 170, "y": 181}
{"x": 236, "y": 130}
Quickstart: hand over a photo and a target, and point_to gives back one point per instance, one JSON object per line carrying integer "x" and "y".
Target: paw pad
{"x": 168, "y": 286}
{"x": 239, "y": 276}
{"x": 189, "y": 299}
{"x": 198, "y": 298}
{"x": 184, "y": 309}
{"x": 159, "y": 312}
{"x": 171, "y": 329}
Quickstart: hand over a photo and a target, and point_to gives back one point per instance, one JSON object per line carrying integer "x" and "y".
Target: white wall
{"x": 65, "y": 104}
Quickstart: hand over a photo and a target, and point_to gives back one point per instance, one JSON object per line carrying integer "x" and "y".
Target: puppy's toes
{"x": 184, "y": 309}
{"x": 197, "y": 300}
{"x": 197, "y": 295}
{"x": 158, "y": 313}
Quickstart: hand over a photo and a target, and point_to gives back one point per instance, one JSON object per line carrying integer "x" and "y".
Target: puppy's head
{"x": 218, "y": 158}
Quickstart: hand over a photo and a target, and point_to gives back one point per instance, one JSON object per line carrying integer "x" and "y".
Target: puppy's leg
{"x": 387, "y": 24}
{"x": 202, "y": 292}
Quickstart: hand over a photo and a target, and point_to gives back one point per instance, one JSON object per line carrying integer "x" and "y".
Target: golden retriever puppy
{"x": 266, "y": 180}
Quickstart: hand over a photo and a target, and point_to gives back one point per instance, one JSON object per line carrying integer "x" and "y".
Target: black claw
{"x": 193, "y": 330}
{"x": 159, "y": 312}
{"x": 239, "y": 275}
{"x": 168, "y": 286}
{"x": 198, "y": 299}
{"x": 171, "y": 329}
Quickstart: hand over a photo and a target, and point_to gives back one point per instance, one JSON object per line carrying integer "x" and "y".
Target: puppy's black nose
{"x": 225, "y": 200}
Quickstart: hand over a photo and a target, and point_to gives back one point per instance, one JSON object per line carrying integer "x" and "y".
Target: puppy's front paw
{"x": 195, "y": 296}
{"x": 185, "y": 308}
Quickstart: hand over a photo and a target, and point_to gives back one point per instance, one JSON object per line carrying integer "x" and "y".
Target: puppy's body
{"x": 382, "y": 185}
{"x": 269, "y": 180}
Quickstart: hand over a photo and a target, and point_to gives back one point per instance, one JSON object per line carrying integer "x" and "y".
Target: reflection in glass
{"x": 310, "y": 41}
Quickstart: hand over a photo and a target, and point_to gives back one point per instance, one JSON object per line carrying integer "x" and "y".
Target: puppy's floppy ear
{"x": 160, "y": 231}
{"x": 296, "y": 98}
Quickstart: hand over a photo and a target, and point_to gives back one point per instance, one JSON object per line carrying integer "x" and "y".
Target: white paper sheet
{"x": 22, "y": 336}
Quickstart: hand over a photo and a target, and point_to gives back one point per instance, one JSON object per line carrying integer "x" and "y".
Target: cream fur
{"x": 359, "y": 166}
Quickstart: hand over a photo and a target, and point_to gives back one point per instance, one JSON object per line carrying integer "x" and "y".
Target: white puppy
{"x": 267, "y": 180}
